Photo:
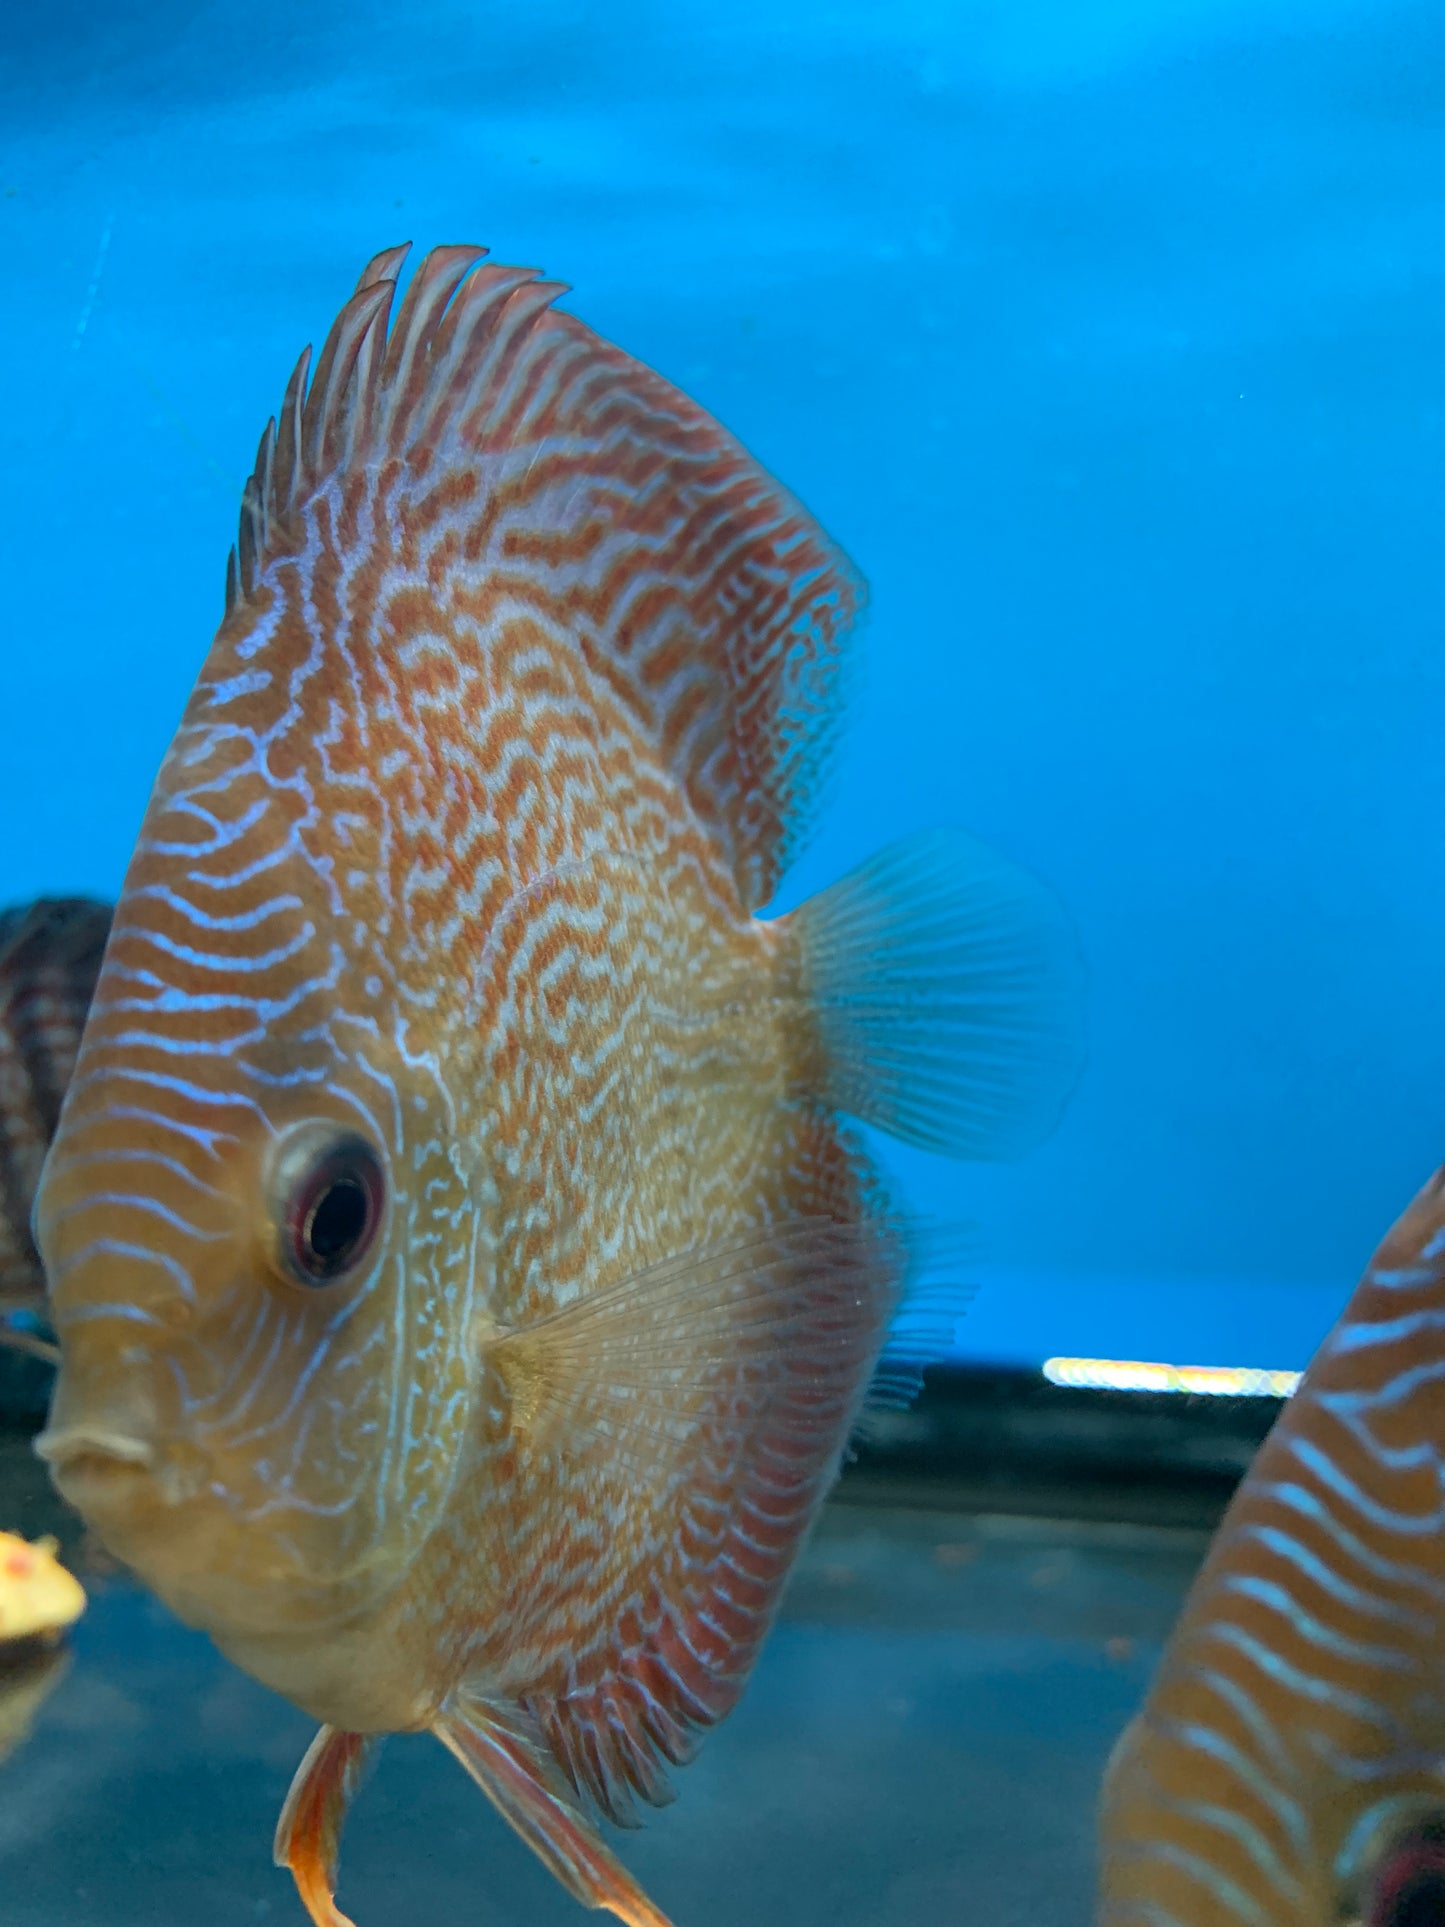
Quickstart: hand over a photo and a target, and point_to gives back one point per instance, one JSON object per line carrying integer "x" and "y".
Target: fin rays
{"x": 513, "y": 1770}
{"x": 726, "y": 606}
{"x": 724, "y": 1384}
{"x": 308, "y": 1833}
{"x": 946, "y": 989}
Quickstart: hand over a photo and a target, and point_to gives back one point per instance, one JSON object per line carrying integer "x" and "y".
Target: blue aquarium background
{"x": 1108, "y": 336}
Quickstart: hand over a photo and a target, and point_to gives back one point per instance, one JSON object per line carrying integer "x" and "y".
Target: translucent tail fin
{"x": 947, "y": 988}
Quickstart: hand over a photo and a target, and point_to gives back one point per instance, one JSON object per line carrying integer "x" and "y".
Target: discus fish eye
{"x": 1409, "y": 1888}
{"x": 1404, "y": 1882}
{"x": 329, "y": 1191}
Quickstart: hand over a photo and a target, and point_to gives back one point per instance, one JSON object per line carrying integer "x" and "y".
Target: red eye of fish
{"x": 333, "y": 1211}
{"x": 1410, "y": 1886}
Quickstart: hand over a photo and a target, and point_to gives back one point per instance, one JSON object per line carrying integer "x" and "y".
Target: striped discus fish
{"x": 1288, "y": 1769}
{"x": 464, "y": 1284}
{"x": 49, "y": 956}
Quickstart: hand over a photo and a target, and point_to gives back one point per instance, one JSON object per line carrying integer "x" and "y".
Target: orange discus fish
{"x": 464, "y": 1284}
{"x": 1288, "y": 1769}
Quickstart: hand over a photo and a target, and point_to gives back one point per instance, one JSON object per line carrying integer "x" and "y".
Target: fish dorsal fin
{"x": 717, "y": 1391}
{"x": 695, "y": 585}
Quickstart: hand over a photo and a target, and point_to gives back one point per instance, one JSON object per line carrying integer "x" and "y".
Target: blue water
{"x": 1108, "y": 338}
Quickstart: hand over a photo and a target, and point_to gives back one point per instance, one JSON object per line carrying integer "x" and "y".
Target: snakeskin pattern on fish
{"x": 1288, "y": 1769}
{"x": 464, "y": 1280}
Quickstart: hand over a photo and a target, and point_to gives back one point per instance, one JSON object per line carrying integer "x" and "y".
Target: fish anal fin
{"x": 514, "y": 1772}
{"x": 715, "y": 1393}
{"x": 308, "y": 1834}
{"x": 708, "y": 596}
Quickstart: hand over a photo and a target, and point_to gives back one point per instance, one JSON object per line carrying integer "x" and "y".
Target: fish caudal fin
{"x": 523, "y": 1784}
{"x": 308, "y": 1834}
{"x": 710, "y": 1399}
{"x": 945, "y": 995}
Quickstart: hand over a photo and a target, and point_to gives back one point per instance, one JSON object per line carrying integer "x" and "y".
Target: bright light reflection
{"x": 1131, "y": 1375}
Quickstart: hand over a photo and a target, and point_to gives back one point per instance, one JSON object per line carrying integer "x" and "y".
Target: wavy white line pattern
{"x": 1295, "y": 1735}
{"x": 525, "y": 683}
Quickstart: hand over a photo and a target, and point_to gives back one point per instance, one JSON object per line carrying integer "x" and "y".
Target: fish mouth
{"x": 93, "y": 1459}
{"x": 101, "y": 1469}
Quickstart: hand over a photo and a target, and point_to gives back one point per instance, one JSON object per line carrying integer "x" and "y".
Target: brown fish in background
{"x": 50, "y": 953}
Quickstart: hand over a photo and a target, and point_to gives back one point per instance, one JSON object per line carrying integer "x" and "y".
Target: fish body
{"x": 50, "y": 953}
{"x": 464, "y": 1278}
{"x": 1288, "y": 1767}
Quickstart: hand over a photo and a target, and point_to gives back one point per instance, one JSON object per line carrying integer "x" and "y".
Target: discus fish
{"x": 1288, "y": 1768}
{"x": 464, "y": 1283}
{"x": 50, "y": 953}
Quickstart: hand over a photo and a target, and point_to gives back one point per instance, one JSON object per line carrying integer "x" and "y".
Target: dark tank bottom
{"x": 922, "y": 1742}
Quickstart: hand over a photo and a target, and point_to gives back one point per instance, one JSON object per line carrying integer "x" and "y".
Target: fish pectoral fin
{"x": 523, "y": 1784}
{"x": 942, "y": 993}
{"x": 708, "y": 1357}
{"x": 308, "y": 1834}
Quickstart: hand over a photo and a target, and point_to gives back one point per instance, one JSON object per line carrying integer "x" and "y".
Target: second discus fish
{"x": 464, "y": 1283}
{"x": 1288, "y": 1768}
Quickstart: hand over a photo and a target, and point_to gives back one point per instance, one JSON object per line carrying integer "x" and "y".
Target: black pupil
{"x": 338, "y": 1223}
{"x": 334, "y": 1189}
{"x": 1420, "y": 1903}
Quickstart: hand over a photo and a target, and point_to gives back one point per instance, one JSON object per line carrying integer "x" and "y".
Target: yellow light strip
{"x": 1131, "y": 1375}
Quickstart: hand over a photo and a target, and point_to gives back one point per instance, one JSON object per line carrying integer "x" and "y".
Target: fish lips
{"x": 133, "y": 1494}
{"x": 112, "y": 1476}
{"x": 154, "y": 1507}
